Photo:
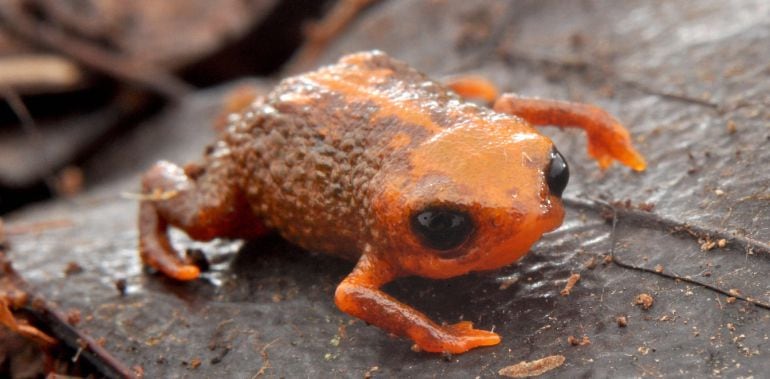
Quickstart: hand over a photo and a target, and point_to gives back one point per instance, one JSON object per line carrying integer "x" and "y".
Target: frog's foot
{"x": 359, "y": 295}
{"x": 606, "y": 147}
{"x": 457, "y": 338}
{"x": 204, "y": 203}
{"x": 608, "y": 140}
{"x": 155, "y": 249}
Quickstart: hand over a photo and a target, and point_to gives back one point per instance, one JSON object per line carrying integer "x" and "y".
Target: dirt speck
{"x": 369, "y": 374}
{"x": 574, "y": 341}
{"x": 537, "y": 367}
{"x": 73, "y": 317}
{"x": 645, "y": 300}
{"x": 646, "y": 207}
{"x": 732, "y": 127}
{"x": 120, "y": 285}
{"x": 69, "y": 182}
{"x": 628, "y": 205}
{"x": 622, "y": 321}
{"x": 573, "y": 279}
{"x": 707, "y": 244}
{"x": 506, "y": 283}
{"x": 72, "y": 269}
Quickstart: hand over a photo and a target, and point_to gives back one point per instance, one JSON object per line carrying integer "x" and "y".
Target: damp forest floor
{"x": 689, "y": 80}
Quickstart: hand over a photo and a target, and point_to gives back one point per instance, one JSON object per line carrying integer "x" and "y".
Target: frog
{"x": 370, "y": 160}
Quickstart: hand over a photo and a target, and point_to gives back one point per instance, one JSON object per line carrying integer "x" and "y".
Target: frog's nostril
{"x": 557, "y": 173}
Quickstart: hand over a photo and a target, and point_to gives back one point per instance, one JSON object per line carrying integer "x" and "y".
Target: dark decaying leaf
{"x": 689, "y": 80}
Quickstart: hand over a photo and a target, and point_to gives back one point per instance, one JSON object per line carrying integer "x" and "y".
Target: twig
{"x": 105, "y": 362}
{"x": 583, "y": 65}
{"x": 39, "y": 72}
{"x": 59, "y": 327}
{"x": 657, "y": 220}
{"x": 115, "y": 65}
{"x": 265, "y": 358}
{"x": 668, "y": 95}
{"x": 615, "y": 260}
{"x": 319, "y": 34}
{"x": 489, "y": 47}
{"x": 28, "y": 331}
{"x": 38, "y": 227}
{"x": 33, "y": 133}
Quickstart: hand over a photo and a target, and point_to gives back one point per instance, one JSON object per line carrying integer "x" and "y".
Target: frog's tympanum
{"x": 370, "y": 160}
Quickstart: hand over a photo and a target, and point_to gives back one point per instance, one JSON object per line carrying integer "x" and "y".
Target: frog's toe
{"x": 468, "y": 338}
{"x": 186, "y": 273}
{"x": 624, "y": 153}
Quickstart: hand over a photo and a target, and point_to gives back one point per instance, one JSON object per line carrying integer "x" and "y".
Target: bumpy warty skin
{"x": 308, "y": 155}
{"x": 368, "y": 159}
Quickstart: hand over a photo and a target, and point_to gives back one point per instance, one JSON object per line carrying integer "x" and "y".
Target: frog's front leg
{"x": 203, "y": 201}
{"x": 607, "y": 138}
{"x": 359, "y": 295}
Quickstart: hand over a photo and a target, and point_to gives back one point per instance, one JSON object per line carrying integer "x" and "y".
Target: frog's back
{"x": 312, "y": 148}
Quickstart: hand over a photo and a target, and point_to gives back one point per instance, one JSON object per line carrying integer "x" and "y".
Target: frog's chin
{"x": 512, "y": 249}
{"x": 554, "y": 220}
{"x": 481, "y": 258}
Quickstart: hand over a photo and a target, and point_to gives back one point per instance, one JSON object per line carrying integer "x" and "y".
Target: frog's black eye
{"x": 441, "y": 228}
{"x": 557, "y": 173}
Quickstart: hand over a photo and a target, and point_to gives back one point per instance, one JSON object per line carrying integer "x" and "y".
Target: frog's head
{"x": 473, "y": 197}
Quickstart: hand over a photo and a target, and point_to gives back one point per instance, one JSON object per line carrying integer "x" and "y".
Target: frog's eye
{"x": 557, "y": 173}
{"x": 440, "y": 228}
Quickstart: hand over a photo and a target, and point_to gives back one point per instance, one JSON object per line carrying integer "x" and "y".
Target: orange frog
{"x": 370, "y": 160}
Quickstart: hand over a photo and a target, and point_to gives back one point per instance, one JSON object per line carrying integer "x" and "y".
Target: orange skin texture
{"x": 340, "y": 159}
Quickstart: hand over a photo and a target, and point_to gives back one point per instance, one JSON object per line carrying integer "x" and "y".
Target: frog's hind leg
{"x": 608, "y": 140}
{"x": 203, "y": 202}
{"x": 473, "y": 87}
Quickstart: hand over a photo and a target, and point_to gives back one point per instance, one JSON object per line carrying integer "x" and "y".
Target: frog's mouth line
{"x": 454, "y": 254}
